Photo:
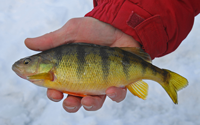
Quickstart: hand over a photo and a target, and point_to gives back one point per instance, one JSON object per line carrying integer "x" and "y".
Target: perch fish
{"x": 84, "y": 69}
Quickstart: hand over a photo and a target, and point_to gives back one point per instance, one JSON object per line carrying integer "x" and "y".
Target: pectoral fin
{"x": 45, "y": 76}
{"x": 139, "y": 89}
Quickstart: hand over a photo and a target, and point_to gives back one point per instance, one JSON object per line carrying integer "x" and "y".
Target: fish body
{"x": 88, "y": 69}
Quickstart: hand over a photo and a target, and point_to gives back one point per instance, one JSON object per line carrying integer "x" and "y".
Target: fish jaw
{"x": 39, "y": 82}
{"x": 18, "y": 71}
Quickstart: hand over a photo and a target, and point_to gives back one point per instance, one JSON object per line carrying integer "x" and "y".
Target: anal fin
{"x": 74, "y": 94}
{"x": 139, "y": 89}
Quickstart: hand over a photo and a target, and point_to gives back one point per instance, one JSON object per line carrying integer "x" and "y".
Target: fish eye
{"x": 27, "y": 61}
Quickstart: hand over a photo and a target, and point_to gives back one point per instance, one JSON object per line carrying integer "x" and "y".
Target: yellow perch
{"x": 86, "y": 69}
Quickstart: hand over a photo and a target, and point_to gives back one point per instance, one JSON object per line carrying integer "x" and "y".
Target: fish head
{"x": 26, "y": 66}
{"x": 34, "y": 69}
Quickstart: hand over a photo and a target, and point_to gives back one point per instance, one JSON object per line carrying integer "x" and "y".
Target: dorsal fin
{"x": 139, "y": 52}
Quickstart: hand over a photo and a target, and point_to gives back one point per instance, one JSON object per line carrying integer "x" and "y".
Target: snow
{"x": 22, "y": 103}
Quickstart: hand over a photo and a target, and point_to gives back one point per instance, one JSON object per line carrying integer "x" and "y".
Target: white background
{"x": 23, "y": 103}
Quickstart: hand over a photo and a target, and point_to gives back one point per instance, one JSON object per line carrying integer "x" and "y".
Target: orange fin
{"x": 46, "y": 76}
{"x": 139, "y": 52}
{"x": 74, "y": 94}
{"x": 139, "y": 89}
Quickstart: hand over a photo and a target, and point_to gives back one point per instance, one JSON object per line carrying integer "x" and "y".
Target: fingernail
{"x": 69, "y": 107}
{"x": 52, "y": 97}
{"x": 55, "y": 100}
{"x": 124, "y": 89}
{"x": 113, "y": 95}
{"x": 87, "y": 107}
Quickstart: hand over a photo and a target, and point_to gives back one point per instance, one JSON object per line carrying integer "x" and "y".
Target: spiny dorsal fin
{"x": 139, "y": 52}
{"x": 139, "y": 89}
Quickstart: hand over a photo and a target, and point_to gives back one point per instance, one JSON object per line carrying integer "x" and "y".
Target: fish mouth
{"x": 17, "y": 70}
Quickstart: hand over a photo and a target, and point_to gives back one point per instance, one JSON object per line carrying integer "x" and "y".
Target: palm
{"x": 88, "y": 30}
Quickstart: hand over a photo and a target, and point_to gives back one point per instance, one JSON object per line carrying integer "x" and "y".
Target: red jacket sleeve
{"x": 159, "y": 25}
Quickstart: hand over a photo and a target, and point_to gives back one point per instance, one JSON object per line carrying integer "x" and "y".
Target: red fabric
{"x": 159, "y": 25}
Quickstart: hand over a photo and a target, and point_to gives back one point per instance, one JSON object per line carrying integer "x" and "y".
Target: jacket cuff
{"x": 148, "y": 30}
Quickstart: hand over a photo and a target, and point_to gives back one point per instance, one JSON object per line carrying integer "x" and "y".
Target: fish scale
{"x": 102, "y": 70}
{"x": 86, "y": 69}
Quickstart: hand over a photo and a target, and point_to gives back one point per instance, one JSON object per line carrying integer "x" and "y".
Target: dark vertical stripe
{"x": 81, "y": 59}
{"x": 126, "y": 63}
{"x": 60, "y": 51}
{"x": 58, "y": 54}
{"x": 165, "y": 75}
{"x": 105, "y": 63}
{"x": 154, "y": 69}
{"x": 144, "y": 66}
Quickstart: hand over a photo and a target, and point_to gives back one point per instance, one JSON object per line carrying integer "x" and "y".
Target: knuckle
{"x": 73, "y": 23}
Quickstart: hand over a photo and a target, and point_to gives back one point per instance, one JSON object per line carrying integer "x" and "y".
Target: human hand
{"x": 87, "y": 30}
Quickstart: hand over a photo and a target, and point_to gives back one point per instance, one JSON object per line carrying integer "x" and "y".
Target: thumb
{"x": 47, "y": 41}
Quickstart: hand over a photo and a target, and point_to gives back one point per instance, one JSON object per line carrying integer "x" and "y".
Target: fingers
{"x": 44, "y": 42}
{"x": 54, "y": 95}
{"x": 116, "y": 94}
{"x": 40, "y": 43}
{"x": 93, "y": 103}
{"x": 72, "y": 103}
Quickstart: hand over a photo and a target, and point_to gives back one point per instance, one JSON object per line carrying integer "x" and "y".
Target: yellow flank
{"x": 116, "y": 75}
{"x": 92, "y": 80}
{"x": 135, "y": 71}
{"x": 67, "y": 74}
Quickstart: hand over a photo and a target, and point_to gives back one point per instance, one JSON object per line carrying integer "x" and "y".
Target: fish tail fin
{"x": 174, "y": 84}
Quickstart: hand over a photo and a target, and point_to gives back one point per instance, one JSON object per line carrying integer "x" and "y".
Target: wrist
{"x": 125, "y": 40}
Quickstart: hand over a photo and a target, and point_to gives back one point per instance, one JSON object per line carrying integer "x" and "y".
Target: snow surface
{"x": 23, "y": 103}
